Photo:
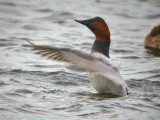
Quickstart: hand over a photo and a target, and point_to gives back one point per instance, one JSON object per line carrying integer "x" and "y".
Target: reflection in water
{"x": 153, "y": 51}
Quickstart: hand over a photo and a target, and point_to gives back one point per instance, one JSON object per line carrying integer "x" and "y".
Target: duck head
{"x": 98, "y": 26}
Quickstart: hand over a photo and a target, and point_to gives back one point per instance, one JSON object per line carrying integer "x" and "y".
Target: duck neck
{"x": 101, "y": 46}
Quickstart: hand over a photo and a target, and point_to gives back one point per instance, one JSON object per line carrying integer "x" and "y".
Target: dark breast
{"x": 101, "y": 46}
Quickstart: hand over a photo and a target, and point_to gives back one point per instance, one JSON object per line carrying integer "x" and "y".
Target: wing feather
{"x": 95, "y": 62}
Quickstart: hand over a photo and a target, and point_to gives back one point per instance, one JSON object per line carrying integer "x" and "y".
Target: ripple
{"x": 27, "y": 106}
{"x": 55, "y": 17}
{"x": 14, "y": 94}
{"x": 63, "y": 83}
{"x": 24, "y": 91}
{"x": 155, "y": 16}
{"x": 128, "y": 107}
{"x": 15, "y": 81}
{"x": 20, "y": 71}
{"x": 103, "y": 106}
{"x": 131, "y": 57}
{"x": 2, "y": 83}
{"x": 147, "y": 88}
{"x": 2, "y": 109}
{"x": 126, "y": 15}
{"x": 66, "y": 78}
{"x": 45, "y": 10}
{"x": 30, "y": 27}
{"x": 97, "y": 96}
{"x": 149, "y": 71}
{"x": 88, "y": 114}
{"x": 157, "y": 104}
{"x": 5, "y": 40}
{"x": 145, "y": 106}
{"x": 8, "y": 3}
{"x": 69, "y": 108}
{"x": 53, "y": 91}
{"x": 7, "y": 44}
{"x": 153, "y": 77}
{"x": 122, "y": 51}
{"x": 24, "y": 110}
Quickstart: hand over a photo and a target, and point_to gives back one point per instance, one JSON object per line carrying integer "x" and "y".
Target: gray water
{"x": 34, "y": 88}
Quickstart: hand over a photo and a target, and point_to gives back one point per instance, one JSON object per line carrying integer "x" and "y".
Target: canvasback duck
{"x": 152, "y": 40}
{"x": 102, "y": 71}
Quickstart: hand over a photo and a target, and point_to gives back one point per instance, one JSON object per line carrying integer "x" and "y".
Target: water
{"x": 34, "y": 88}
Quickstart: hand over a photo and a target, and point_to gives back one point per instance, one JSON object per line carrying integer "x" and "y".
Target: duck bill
{"x": 84, "y": 22}
{"x": 87, "y": 23}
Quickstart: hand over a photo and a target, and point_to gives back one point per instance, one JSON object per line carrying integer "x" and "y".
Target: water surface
{"x": 34, "y": 88}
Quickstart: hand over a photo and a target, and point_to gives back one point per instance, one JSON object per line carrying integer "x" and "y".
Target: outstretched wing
{"x": 95, "y": 62}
